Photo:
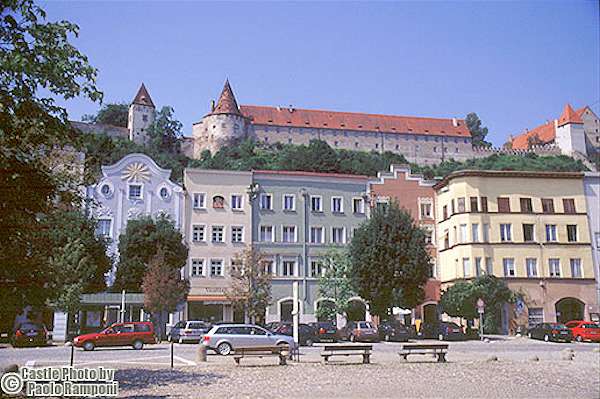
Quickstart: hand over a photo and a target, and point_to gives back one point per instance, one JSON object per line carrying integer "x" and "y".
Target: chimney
{"x": 454, "y": 122}
{"x": 290, "y": 108}
{"x": 212, "y": 105}
{"x": 278, "y": 108}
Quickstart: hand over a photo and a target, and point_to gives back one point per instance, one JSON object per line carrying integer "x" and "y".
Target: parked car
{"x": 393, "y": 330}
{"x": 29, "y": 333}
{"x": 306, "y": 334}
{"x": 188, "y": 331}
{"x": 325, "y": 331}
{"x": 359, "y": 331}
{"x": 443, "y": 331}
{"x": 224, "y": 338}
{"x": 134, "y": 334}
{"x": 550, "y": 332}
{"x": 584, "y": 330}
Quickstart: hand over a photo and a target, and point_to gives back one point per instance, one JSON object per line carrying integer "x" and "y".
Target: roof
{"x": 507, "y": 174}
{"x": 296, "y": 117}
{"x": 143, "y": 97}
{"x": 226, "y": 103}
{"x": 569, "y": 116}
{"x": 311, "y": 174}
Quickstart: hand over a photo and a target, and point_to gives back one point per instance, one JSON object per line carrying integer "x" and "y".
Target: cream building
{"x": 531, "y": 229}
{"x": 217, "y": 228}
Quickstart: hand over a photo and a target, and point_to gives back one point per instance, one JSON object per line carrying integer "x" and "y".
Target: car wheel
{"x": 546, "y": 338}
{"x": 137, "y": 345}
{"x": 224, "y": 349}
{"x": 88, "y": 346}
{"x": 579, "y": 338}
{"x": 352, "y": 339}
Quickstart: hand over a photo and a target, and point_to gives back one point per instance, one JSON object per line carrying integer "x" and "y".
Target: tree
{"x": 39, "y": 66}
{"x": 139, "y": 244}
{"x": 165, "y": 132}
{"x": 116, "y": 114}
{"x": 390, "y": 261}
{"x": 250, "y": 290}
{"x": 335, "y": 285}
{"x": 460, "y": 300}
{"x": 478, "y": 132}
{"x": 163, "y": 288}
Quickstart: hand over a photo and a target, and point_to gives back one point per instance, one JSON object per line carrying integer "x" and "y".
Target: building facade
{"x": 529, "y": 228}
{"x": 298, "y": 217}
{"x": 416, "y": 195}
{"x": 217, "y": 229}
{"x": 591, "y": 183}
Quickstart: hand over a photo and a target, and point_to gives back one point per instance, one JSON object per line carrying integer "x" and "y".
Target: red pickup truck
{"x": 134, "y": 334}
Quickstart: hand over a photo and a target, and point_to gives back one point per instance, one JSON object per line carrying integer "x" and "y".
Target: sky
{"x": 516, "y": 64}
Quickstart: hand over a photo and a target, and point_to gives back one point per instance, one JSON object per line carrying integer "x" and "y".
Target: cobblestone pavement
{"x": 470, "y": 372}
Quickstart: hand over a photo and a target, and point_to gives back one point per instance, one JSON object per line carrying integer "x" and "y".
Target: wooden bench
{"x": 437, "y": 350}
{"x": 281, "y": 351}
{"x": 345, "y": 349}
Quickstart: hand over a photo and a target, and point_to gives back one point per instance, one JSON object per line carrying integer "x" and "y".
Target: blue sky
{"x": 514, "y": 63}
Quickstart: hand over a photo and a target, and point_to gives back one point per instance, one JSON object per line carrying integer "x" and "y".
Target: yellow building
{"x": 529, "y": 228}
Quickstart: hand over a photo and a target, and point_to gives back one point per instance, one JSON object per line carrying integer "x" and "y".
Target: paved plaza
{"x": 471, "y": 371}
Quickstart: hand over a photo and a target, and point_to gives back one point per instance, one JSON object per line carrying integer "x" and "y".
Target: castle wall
{"x": 216, "y": 131}
{"x": 140, "y": 118}
{"x": 591, "y": 127}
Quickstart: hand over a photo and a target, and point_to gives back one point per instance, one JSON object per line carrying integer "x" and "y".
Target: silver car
{"x": 224, "y": 338}
{"x": 188, "y": 331}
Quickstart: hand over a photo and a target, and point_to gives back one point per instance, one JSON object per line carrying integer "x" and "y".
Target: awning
{"x": 208, "y": 298}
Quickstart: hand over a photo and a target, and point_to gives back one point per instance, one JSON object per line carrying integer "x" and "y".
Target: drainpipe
{"x": 304, "y": 195}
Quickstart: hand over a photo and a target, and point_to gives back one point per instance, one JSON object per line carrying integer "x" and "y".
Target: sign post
{"x": 480, "y": 310}
{"x": 295, "y": 312}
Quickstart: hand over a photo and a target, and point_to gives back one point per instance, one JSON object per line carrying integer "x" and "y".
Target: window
{"x": 266, "y": 233}
{"x": 105, "y": 190}
{"x": 475, "y": 232}
{"x": 428, "y": 235}
{"x": 269, "y": 266}
{"x": 317, "y": 235}
{"x": 445, "y": 212}
{"x": 576, "y": 267}
{"x": 198, "y": 232}
{"x": 503, "y": 204}
{"x": 569, "y": 205}
{"x": 426, "y": 210}
{"x": 474, "y": 206}
{"x": 528, "y": 233}
{"x": 199, "y": 201}
{"x": 337, "y": 205}
{"x": 288, "y": 268}
{"x": 218, "y": 202}
{"x": 505, "y": 232}
{"x": 554, "y": 267}
{"x": 289, "y": 234}
{"x": 463, "y": 233}
{"x": 236, "y": 266}
{"x": 478, "y": 270}
{"x": 236, "y": 202}
{"x": 217, "y": 233}
{"x": 572, "y": 232}
{"x": 526, "y": 206}
{"x": 466, "y": 267}
{"x": 338, "y": 235}
{"x": 316, "y": 203}
{"x": 509, "y": 267}
{"x": 486, "y": 232}
{"x": 484, "y": 204}
{"x": 135, "y": 191}
{"x": 103, "y": 228}
{"x": 550, "y": 232}
{"x": 237, "y": 234}
{"x": 358, "y": 205}
{"x": 266, "y": 201}
{"x": 489, "y": 266}
{"x": 197, "y": 269}
{"x": 531, "y": 267}
{"x": 289, "y": 202}
{"x": 316, "y": 268}
{"x": 547, "y": 205}
{"x": 216, "y": 267}
{"x": 460, "y": 202}
{"x": 164, "y": 193}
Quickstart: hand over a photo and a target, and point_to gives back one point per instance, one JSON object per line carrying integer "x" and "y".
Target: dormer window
{"x": 218, "y": 202}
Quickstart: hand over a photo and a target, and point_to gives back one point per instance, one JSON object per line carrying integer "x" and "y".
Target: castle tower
{"x": 222, "y": 126}
{"x": 141, "y": 116}
{"x": 570, "y": 136}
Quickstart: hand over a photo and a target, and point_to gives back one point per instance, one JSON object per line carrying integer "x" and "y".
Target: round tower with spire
{"x": 222, "y": 126}
{"x": 141, "y": 116}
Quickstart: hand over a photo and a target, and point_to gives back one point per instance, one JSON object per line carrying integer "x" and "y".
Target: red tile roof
{"x": 569, "y": 116}
{"x": 309, "y": 174}
{"x": 143, "y": 97}
{"x": 295, "y": 117}
{"x": 226, "y": 103}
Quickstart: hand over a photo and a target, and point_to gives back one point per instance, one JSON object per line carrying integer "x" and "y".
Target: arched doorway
{"x": 568, "y": 309}
{"x": 430, "y": 315}
{"x": 285, "y": 310}
{"x": 330, "y": 313}
{"x": 357, "y": 310}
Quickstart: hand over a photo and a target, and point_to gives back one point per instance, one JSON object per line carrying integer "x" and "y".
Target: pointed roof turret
{"x": 226, "y": 103}
{"x": 143, "y": 97}
{"x": 569, "y": 116}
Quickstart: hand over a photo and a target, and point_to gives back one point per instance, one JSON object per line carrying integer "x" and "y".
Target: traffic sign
{"x": 480, "y": 306}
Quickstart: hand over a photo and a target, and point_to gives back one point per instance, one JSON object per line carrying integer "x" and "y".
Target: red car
{"x": 584, "y": 330}
{"x": 134, "y": 334}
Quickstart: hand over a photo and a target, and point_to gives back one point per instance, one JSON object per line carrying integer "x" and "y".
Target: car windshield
{"x": 31, "y": 326}
{"x": 590, "y": 325}
{"x": 558, "y": 326}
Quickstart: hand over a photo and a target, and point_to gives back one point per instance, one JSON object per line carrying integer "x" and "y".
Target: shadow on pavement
{"x": 132, "y": 379}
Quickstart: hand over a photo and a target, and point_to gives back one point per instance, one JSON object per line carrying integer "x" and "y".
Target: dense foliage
{"x": 336, "y": 285}
{"x": 390, "y": 263}
{"x": 139, "y": 244}
{"x": 478, "y": 132}
{"x": 110, "y": 114}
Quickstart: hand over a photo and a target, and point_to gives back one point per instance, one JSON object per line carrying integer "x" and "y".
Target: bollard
{"x": 72, "y": 352}
{"x": 201, "y": 357}
{"x": 171, "y": 354}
